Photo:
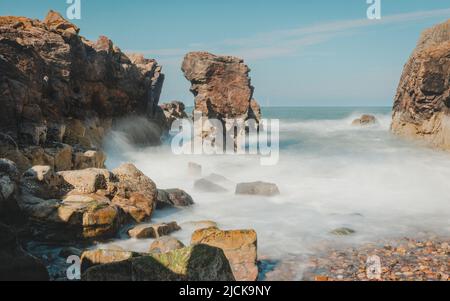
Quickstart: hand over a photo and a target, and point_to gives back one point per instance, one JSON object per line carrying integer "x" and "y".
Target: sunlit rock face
{"x": 222, "y": 89}
{"x": 58, "y": 89}
{"x": 422, "y": 102}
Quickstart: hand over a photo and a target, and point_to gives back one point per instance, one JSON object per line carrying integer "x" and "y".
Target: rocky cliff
{"x": 60, "y": 93}
{"x": 422, "y": 102}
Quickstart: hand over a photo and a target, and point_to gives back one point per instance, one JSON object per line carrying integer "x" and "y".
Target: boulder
{"x": 89, "y": 159}
{"x": 15, "y": 263}
{"x": 153, "y": 231}
{"x": 195, "y": 263}
{"x": 194, "y": 169}
{"x": 87, "y": 180}
{"x": 258, "y": 188}
{"x": 136, "y": 193}
{"x": 165, "y": 244}
{"x": 239, "y": 246}
{"x": 197, "y": 225}
{"x": 365, "y": 120}
{"x": 208, "y": 186}
{"x": 422, "y": 101}
{"x": 173, "y": 198}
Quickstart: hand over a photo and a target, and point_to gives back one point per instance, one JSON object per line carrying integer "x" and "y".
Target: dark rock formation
{"x": 15, "y": 263}
{"x": 173, "y": 198}
{"x": 58, "y": 87}
{"x": 422, "y": 102}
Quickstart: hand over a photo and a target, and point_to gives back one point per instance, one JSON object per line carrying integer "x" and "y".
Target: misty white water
{"x": 330, "y": 175}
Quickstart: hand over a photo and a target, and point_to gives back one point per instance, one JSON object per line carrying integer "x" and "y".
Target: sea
{"x": 330, "y": 174}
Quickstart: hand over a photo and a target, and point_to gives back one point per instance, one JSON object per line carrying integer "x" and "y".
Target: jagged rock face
{"x": 422, "y": 102}
{"x": 56, "y": 86}
{"x": 221, "y": 85}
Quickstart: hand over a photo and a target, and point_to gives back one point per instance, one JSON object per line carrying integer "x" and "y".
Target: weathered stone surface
{"x": 208, "y": 186}
{"x": 173, "y": 198}
{"x": 165, "y": 244}
{"x": 365, "y": 120}
{"x": 92, "y": 258}
{"x": 60, "y": 87}
{"x": 196, "y": 263}
{"x": 153, "y": 231}
{"x": 15, "y": 263}
{"x": 89, "y": 159}
{"x": 240, "y": 247}
{"x": 136, "y": 193}
{"x": 173, "y": 111}
{"x": 222, "y": 89}
{"x": 84, "y": 204}
{"x": 87, "y": 180}
{"x": 258, "y": 188}
{"x": 422, "y": 102}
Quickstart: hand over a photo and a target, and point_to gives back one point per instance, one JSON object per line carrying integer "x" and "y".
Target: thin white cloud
{"x": 291, "y": 41}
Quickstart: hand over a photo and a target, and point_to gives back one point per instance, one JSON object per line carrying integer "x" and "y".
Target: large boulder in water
{"x": 422, "y": 102}
{"x": 258, "y": 188}
{"x": 222, "y": 89}
{"x": 195, "y": 263}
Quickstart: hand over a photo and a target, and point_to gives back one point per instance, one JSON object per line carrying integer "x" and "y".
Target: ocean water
{"x": 330, "y": 175}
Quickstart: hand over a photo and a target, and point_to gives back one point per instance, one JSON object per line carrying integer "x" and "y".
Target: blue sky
{"x": 302, "y": 53}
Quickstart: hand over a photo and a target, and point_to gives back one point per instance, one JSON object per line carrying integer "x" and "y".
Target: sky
{"x": 301, "y": 53}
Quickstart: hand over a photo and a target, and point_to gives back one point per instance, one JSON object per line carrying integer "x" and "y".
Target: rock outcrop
{"x": 365, "y": 120}
{"x": 239, "y": 246}
{"x": 195, "y": 263}
{"x": 61, "y": 93}
{"x": 83, "y": 204}
{"x": 422, "y": 102}
{"x": 222, "y": 89}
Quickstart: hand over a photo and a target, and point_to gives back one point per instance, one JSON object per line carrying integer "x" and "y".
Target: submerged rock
{"x": 153, "y": 231}
{"x": 343, "y": 231}
{"x": 194, "y": 169}
{"x": 240, "y": 247}
{"x": 173, "y": 198}
{"x": 195, "y": 263}
{"x": 258, "y": 188}
{"x": 165, "y": 244}
{"x": 208, "y": 186}
{"x": 422, "y": 102}
{"x": 365, "y": 120}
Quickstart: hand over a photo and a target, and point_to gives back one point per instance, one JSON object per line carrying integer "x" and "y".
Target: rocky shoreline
{"x": 62, "y": 94}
